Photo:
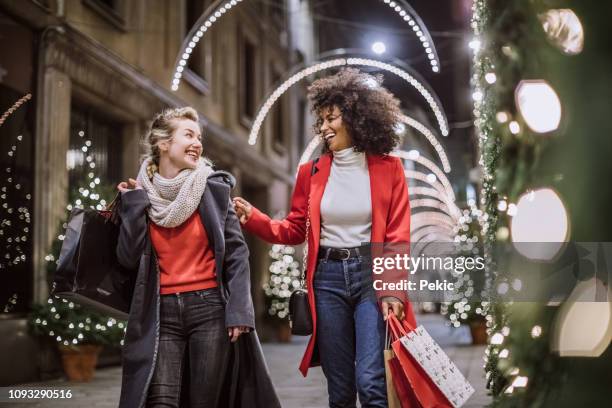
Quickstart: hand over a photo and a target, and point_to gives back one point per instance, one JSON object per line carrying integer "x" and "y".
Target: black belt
{"x": 342, "y": 254}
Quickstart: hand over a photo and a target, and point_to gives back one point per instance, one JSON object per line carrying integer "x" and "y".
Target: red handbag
{"x": 409, "y": 378}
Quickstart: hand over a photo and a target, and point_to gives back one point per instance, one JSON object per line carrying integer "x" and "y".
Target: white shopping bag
{"x": 434, "y": 361}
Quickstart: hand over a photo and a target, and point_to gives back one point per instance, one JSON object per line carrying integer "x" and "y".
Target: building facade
{"x": 102, "y": 69}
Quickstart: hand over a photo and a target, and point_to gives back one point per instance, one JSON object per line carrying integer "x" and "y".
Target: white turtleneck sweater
{"x": 346, "y": 206}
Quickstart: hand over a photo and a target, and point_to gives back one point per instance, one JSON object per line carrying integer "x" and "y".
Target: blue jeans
{"x": 192, "y": 330}
{"x": 350, "y": 333}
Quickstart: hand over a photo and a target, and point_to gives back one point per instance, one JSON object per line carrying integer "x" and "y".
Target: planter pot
{"x": 80, "y": 361}
{"x": 283, "y": 333}
{"x": 478, "y": 329}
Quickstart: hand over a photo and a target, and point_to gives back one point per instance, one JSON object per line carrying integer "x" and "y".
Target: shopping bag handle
{"x": 409, "y": 327}
{"x": 397, "y": 330}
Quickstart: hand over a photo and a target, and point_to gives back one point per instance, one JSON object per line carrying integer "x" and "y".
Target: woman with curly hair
{"x": 354, "y": 195}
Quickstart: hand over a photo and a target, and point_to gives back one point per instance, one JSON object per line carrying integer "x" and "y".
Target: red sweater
{"x": 186, "y": 259}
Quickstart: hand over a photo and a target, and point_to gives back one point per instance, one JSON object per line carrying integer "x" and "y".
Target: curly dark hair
{"x": 369, "y": 111}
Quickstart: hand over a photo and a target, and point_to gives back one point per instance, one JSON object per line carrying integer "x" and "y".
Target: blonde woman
{"x": 192, "y": 311}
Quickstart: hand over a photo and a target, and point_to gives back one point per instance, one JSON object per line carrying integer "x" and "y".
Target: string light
{"x": 431, "y": 138}
{"x": 14, "y": 220}
{"x": 429, "y": 96}
{"x": 407, "y": 13}
{"x": 564, "y": 30}
{"x": 430, "y": 166}
{"x": 15, "y": 106}
{"x": 417, "y": 175}
{"x": 540, "y": 217}
{"x": 216, "y": 11}
{"x": 539, "y": 105}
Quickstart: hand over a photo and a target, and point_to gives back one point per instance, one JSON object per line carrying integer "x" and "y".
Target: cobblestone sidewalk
{"x": 283, "y": 360}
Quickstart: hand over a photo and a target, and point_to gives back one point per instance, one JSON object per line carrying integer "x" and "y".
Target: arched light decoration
{"x": 415, "y": 124}
{"x": 430, "y": 97}
{"x": 415, "y": 156}
{"x": 206, "y": 20}
{"x": 426, "y": 231}
{"x": 539, "y": 105}
{"x": 15, "y": 106}
{"x": 426, "y": 191}
{"x": 435, "y": 183}
{"x": 430, "y": 203}
{"x": 424, "y": 130}
{"x": 431, "y": 241}
{"x": 220, "y": 7}
{"x": 583, "y": 326}
{"x": 540, "y": 226}
{"x": 564, "y": 30}
{"x": 427, "y": 218}
{"x": 410, "y": 16}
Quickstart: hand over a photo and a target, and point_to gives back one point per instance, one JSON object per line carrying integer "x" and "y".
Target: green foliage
{"x": 64, "y": 321}
{"x": 70, "y": 324}
{"x": 515, "y": 48}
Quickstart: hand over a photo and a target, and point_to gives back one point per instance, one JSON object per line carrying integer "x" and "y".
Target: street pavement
{"x": 283, "y": 359}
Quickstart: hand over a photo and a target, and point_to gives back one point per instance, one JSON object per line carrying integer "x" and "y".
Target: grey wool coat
{"x": 247, "y": 383}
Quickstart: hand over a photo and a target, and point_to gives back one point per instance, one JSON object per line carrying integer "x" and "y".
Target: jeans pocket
{"x": 211, "y": 296}
{"x": 319, "y": 267}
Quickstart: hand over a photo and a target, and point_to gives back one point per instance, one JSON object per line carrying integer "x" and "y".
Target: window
{"x": 248, "y": 64}
{"x": 111, "y": 4}
{"x": 113, "y": 11}
{"x": 277, "y": 13}
{"x": 278, "y": 114}
{"x": 104, "y": 148}
{"x": 193, "y": 11}
{"x": 16, "y": 166}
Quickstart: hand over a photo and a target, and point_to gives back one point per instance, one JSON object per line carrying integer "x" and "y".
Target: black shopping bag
{"x": 88, "y": 272}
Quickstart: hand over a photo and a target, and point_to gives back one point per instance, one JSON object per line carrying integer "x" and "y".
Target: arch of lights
{"x": 415, "y": 156}
{"x": 216, "y": 10}
{"x": 411, "y": 77}
{"x": 424, "y": 232}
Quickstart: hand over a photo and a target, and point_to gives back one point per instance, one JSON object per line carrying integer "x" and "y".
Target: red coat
{"x": 390, "y": 222}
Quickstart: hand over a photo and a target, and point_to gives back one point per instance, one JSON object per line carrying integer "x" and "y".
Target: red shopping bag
{"x": 401, "y": 385}
{"x": 406, "y": 371}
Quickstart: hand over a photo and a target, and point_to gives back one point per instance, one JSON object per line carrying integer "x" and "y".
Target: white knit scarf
{"x": 174, "y": 200}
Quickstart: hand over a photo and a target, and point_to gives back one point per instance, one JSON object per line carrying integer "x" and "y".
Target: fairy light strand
{"x": 429, "y": 96}
{"x": 219, "y": 8}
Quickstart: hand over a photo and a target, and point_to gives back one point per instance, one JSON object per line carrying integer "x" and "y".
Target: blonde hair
{"x": 162, "y": 128}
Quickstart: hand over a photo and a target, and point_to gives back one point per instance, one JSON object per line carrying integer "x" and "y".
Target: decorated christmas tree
{"x": 542, "y": 149}
{"x": 66, "y": 322}
{"x": 468, "y": 303}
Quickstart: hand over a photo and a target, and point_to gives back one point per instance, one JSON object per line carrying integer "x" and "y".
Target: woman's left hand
{"x": 394, "y": 305}
{"x": 235, "y": 332}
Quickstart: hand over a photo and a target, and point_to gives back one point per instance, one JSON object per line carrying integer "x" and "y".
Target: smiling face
{"x": 333, "y": 131}
{"x": 185, "y": 148}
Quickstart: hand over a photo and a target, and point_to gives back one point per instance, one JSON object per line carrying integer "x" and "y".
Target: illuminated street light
{"x": 379, "y": 47}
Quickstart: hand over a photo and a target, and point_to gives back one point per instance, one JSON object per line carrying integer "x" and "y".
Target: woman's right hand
{"x": 129, "y": 185}
{"x": 244, "y": 209}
